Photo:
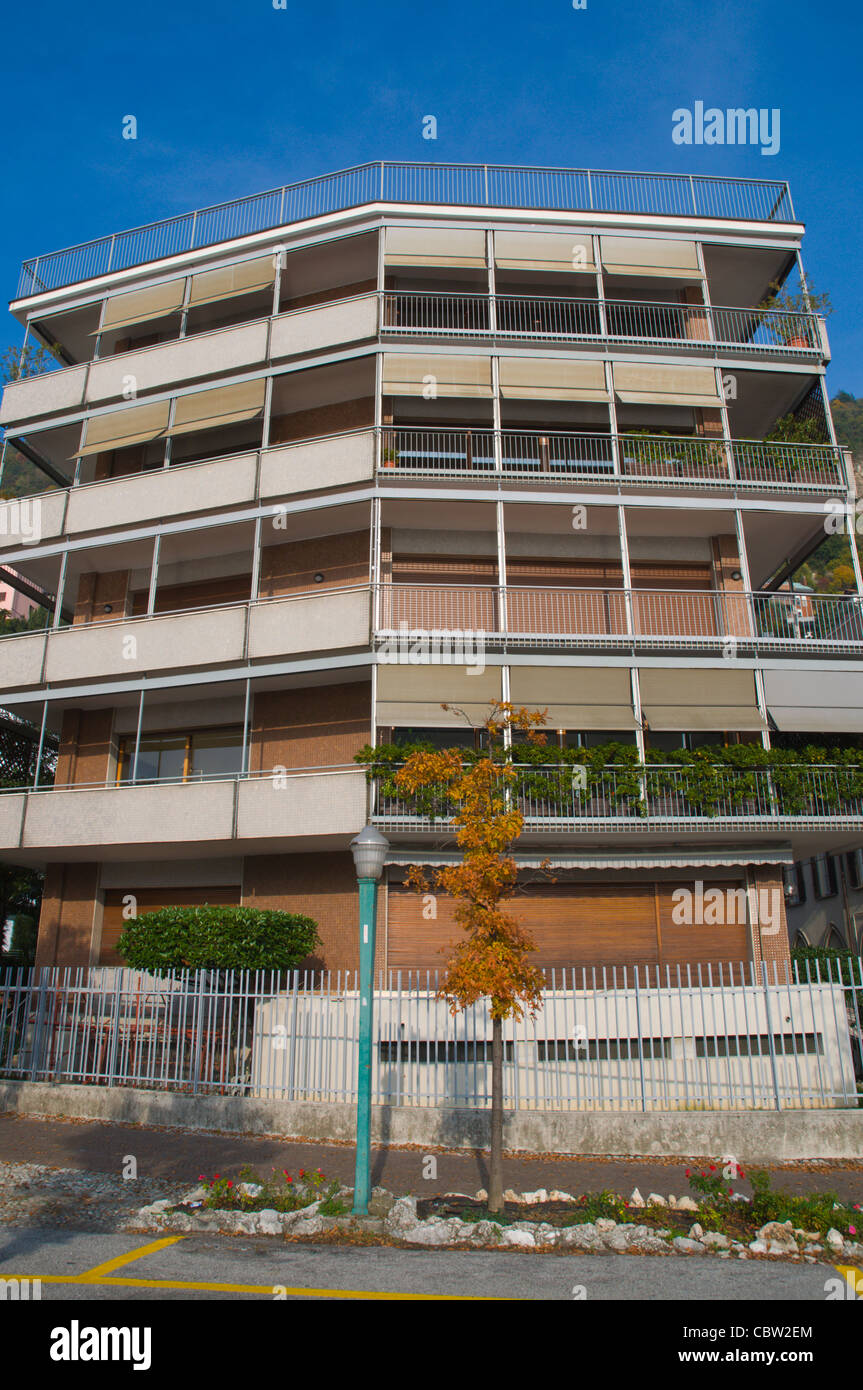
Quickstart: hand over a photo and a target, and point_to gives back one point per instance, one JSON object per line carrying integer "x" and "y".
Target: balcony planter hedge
{"x": 217, "y": 938}
{"x": 703, "y": 781}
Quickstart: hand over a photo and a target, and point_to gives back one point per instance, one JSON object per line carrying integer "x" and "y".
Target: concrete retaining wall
{"x": 752, "y": 1136}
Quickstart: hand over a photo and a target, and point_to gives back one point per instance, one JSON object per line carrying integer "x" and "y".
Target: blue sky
{"x": 235, "y": 96}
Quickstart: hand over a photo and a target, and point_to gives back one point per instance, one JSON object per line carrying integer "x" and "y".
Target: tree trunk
{"x": 495, "y": 1165}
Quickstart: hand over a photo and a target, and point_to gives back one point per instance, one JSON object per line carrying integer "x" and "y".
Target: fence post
{"x": 38, "y": 1028}
{"x": 640, "y": 1041}
{"x": 770, "y": 1039}
{"x": 115, "y": 1028}
{"x": 199, "y": 1031}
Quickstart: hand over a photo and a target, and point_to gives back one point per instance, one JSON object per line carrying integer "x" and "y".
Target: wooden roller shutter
{"x": 148, "y": 899}
{"x": 702, "y": 943}
{"x": 572, "y": 924}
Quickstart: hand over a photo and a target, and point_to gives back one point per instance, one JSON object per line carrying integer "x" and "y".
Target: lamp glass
{"x": 369, "y": 850}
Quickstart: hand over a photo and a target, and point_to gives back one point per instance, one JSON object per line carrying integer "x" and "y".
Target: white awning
{"x": 122, "y": 428}
{"x": 646, "y": 385}
{"x": 557, "y": 251}
{"x": 229, "y": 281}
{"x": 226, "y": 405}
{"x": 712, "y": 700}
{"x": 454, "y": 246}
{"x": 137, "y": 306}
{"x": 576, "y": 697}
{"x": 825, "y": 702}
{"x": 405, "y": 374}
{"x": 552, "y": 378}
{"x": 411, "y": 696}
{"x": 666, "y": 257}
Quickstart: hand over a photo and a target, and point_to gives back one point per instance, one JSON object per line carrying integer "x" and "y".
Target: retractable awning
{"x": 455, "y": 246}
{"x": 226, "y": 405}
{"x": 645, "y": 385}
{"x": 576, "y": 697}
{"x": 137, "y": 306}
{"x": 664, "y": 257}
{"x": 122, "y": 428}
{"x": 687, "y": 699}
{"x": 550, "y": 251}
{"x": 552, "y": 378}
{"x": 405, "y": 374}
{"x": 229, "y": 281}
{"x": 411, "y": 696}
{"x": 825, "y": 702}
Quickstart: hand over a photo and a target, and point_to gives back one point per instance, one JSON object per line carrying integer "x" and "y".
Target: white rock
{"x": 195, "y": 1194}
{"x": 523, "y": 1239}
{"x": 546, "y": 1235}
{"x": 583, "y": 1237}
{"x": 656, "y": 1200}
{"x": 672, "y": 1200}
{"x": 510, "y": 1196}
{"x": 834, "y": 1239}
{"x": 636, "y": 1200}
{"x": 556, "y": 1196}
{"x": 780, "y": 1234}
{"x": 687, "y": 1246}
{"x": 532, "y": 1198}
{"x": 758, "y": 1247}
{"x": 605, "y": 1224}
{"x": 813, "y": 1250}
{"x": 696, "y": 1231}
{"x": 250, "y": 1189}
{"x": 402, "y": 1216}
{"x": 482, "y": 1195}
{"x": 485, "y": 1233}
{"x": 686, "y": 1204}
{"x": 716, "y": 1239}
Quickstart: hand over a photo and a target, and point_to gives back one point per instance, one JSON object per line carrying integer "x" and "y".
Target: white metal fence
{"x": 615, "y": 1038}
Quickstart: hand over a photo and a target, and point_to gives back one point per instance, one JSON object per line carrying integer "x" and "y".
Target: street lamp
{"x": 369, "y": 850}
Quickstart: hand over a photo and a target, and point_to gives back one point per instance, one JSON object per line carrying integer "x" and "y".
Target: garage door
{"x": 148, "y": 899}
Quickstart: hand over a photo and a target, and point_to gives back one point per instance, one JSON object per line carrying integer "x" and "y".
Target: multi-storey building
{"x": 289, "y": 438}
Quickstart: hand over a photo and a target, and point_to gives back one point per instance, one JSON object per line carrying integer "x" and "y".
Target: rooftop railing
{"x": 460, "y": 185}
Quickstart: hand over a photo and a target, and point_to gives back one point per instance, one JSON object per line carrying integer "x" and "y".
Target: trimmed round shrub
{"x": 217, "y": 938}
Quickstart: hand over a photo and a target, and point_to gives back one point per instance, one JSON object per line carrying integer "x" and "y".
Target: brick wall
{"x": 291, "y": 568}
{"x": 324, "y": 886}
{"x": 85, "y": 746}
{"x": 323, "y": 419}
{"x": 319, "y": 727}
{"x": 71, "y": 913}
{"x": 96, "y": 591}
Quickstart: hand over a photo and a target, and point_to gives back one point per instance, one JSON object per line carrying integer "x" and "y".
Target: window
{"x": 182, "y": 757}
{"x": 795, "y": 886}
{"x": 854, "y": 867}
{"x": 824, "y": 876}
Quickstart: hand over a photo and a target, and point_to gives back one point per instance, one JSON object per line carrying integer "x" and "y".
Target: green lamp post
{"x": 369, "y": 850}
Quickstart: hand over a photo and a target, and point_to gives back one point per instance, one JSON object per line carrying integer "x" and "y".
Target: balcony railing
{"x": 535, "y": 320}
{"x": 471, "y": 185}
{"x": 550, "y": 456}
{"x": 518, "y": 616}
{"x": 559, "y": 797}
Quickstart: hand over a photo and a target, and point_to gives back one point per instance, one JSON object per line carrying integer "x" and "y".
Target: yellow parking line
{"x": 268, "y": 1289}
{"x": 95, "y": 1274}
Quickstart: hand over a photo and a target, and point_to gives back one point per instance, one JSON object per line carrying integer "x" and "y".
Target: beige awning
{"x": 645, "y": 385}
{"x": 435, "y": 375}
{"x": 232, "y": 280}
{"x": 122, "y": 310}
{"x": 123, "y": 428}
{"x": 435, "y": 246}
{"x": 552, "y": 378}
{"x": 823, "y": 702}
{"x": 411, "y": 696}
{"x": 667, "y": 257}
{"x": 558, "y": 251}
{"x": 576, "y": 697}
{"x": 226, "y": 405}
{"x": 714, "y": 700}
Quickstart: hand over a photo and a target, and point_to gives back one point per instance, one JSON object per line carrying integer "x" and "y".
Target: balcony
{"x": 556, "y": 457}
{"x": 317, "y": 806}
{"x": 656, "y": 797}
{"x": 516, "y": 617}
{"x": 696, "y": 327}
{"x": 221, "y": 635}
{"x": 461, "y": 185}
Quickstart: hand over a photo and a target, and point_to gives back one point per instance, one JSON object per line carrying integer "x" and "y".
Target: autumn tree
{"x": 492, "y": 961}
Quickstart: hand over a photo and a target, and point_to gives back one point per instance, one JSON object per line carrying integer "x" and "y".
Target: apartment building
{"x": 290, "y": 439}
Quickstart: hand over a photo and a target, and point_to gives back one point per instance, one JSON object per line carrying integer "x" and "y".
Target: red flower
{"x": 201, "y": 1177}
{"x": 230, "y": 1184}
{"x": 302, "y": 1172}
{"x": 687, "y": 1172}
{"x": 713, "y": 1167}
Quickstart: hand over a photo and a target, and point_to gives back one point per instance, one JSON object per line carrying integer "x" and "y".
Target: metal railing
{"x": 550, "y": 455}
{"x": 537, "y": 319}
{"x": 522, "y": 615}
{"x": 473, "y": 185}
{"x": 722, "y": 1035}
{"x": 566, "y": 796}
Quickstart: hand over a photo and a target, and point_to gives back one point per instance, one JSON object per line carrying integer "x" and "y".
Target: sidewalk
{"x": 181, "y": 1155}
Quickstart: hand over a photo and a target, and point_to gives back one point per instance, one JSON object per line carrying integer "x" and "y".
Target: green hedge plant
{"x": 217, "y": 938}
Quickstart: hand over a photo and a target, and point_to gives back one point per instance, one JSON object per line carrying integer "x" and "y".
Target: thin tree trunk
{"x": 495, "y": 1166}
